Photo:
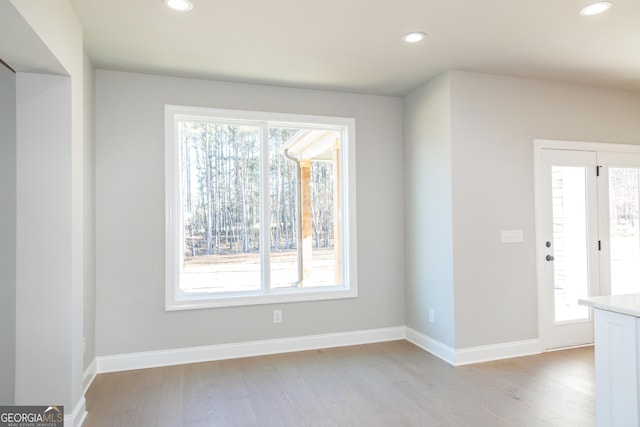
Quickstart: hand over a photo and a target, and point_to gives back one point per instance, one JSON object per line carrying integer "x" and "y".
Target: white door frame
{"x": 538, "y": 146}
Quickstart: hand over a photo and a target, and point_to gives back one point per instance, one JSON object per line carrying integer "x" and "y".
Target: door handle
{"x": 549, "y": 258}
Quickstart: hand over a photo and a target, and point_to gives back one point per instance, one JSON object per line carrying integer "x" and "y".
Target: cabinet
{"x": 616, "y": 363}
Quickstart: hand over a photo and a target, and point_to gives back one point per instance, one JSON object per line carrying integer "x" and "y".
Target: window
{"x": 260, "y": 207}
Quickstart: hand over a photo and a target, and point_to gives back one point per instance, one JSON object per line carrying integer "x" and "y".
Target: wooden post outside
{"x": 306, "y": 220}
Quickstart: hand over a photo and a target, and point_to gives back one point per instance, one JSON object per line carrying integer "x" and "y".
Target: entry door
{"x": 567, "y": 244}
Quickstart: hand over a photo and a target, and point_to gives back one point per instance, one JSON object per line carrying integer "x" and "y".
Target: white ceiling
{"x": 356, "y": 46}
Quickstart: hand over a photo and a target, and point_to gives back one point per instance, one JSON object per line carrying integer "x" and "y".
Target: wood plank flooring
{"x": 386, "y": 384}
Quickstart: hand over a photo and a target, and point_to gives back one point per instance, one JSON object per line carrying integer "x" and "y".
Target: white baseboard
{"x": 152, "y": 359}
{"x": 466, "y": 356}
{"x": 89, "y": 375}
{"x": 455, "y": 357}
{"x": 486, "y": 353}
{"x": 438, "y": 349}
{"x": 76, "y": 418}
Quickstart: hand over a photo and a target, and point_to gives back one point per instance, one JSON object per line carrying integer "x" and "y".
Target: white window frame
{"x": 175, "y": 299}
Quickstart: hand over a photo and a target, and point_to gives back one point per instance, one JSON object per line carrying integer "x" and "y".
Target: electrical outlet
{"x": 432, "y": 315}
{"x": 277, "y": 316}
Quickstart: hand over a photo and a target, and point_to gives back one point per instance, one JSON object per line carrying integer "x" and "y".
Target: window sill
{"x": 200, "y": 301}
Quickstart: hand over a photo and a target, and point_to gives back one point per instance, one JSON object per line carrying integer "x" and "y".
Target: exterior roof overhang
{"x": 312, "y": 144}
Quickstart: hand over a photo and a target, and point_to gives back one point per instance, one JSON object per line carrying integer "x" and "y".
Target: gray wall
{"x": 493, "y": 122}
{"x": 43, "y": 201}
{"x": 130, "y": 314}
{"x": 428, "y": 210}
{"x": 50, "y": 226}
{"x": 89, "y": 213}
{"x": 7, "y": 235}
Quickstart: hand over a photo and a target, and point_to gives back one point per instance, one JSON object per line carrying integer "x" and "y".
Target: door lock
{"x": 549, "y": 258}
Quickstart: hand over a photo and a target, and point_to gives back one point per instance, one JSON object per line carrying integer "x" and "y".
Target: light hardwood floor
{"x": 385, "y": 384}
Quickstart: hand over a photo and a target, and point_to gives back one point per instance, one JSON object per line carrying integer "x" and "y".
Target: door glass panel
{"x": 624, "y": 230}
{"x": 570, "y": 237}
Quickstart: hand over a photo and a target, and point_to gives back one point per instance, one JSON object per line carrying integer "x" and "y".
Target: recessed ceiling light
{"x": 596, "y": 8}
{"x": 414, "y": 37}
{"x": 182, "y": 5}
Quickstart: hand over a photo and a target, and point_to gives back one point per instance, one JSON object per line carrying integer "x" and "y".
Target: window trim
{"x": 177, "y": 300}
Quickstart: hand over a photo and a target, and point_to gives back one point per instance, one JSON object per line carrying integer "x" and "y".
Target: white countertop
{"x": 623, "y": 304}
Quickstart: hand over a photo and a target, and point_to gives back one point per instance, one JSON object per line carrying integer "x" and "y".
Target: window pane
{"x": 304, "y": 206}
{"x": 220, "y": 198}
{"x": 283, "y": 192}
{"x": 570, "y": 242}
{"x": 624, "y": 230}
{"x": 325, "y": 253}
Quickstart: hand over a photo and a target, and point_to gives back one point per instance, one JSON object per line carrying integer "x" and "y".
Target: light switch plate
{"x": 512, "y": 236}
